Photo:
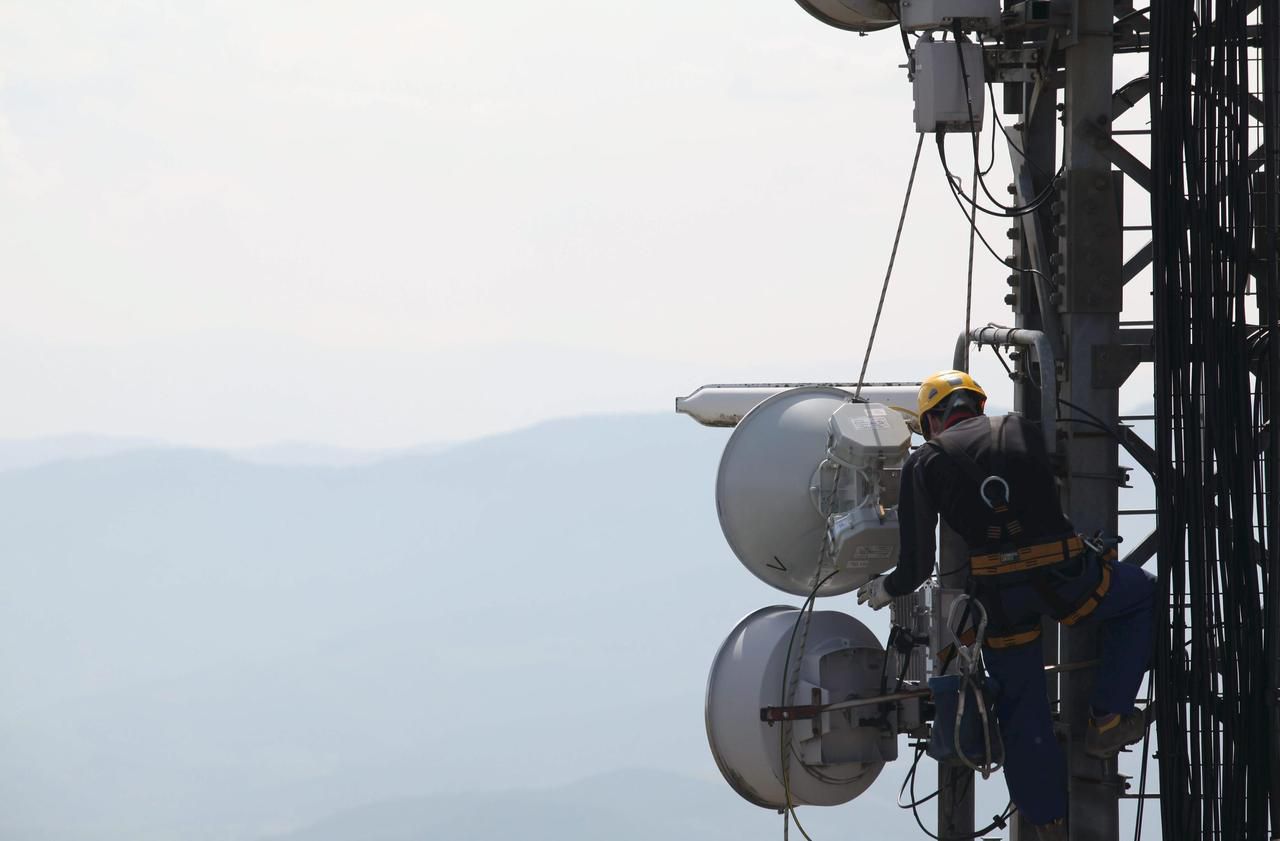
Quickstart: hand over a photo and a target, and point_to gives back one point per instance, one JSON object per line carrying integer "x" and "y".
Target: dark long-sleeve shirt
{"x": 934, "y": 484}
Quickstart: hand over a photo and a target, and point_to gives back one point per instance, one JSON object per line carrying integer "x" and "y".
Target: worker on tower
{"x": 991, "y": 481}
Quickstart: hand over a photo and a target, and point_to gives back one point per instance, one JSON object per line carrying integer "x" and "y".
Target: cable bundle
{"x": 1213, "y": 203}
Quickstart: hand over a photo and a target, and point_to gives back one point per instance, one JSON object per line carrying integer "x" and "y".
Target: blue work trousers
{"x": 1034, "y": 766}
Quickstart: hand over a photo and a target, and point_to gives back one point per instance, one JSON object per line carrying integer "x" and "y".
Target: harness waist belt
{"x": 1010, "y": 640}
{"x": 1027, "y": 557}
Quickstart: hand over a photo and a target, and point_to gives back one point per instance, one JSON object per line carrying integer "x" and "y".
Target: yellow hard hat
{"x": 937, "y": 387}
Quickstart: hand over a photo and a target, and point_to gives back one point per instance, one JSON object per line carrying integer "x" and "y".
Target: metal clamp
{"x": 968, "y": 654}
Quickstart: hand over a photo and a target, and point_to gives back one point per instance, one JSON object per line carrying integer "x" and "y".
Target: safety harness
{"x": 1005, "y": 530}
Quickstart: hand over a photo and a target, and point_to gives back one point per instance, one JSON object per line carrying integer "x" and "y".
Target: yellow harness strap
{"x": 1103, "y": 728}
{"x": 1090, "y": 604}
{"x": 967, "y": 637}
{"x": 999, "y": 641}
{"x": 1027, "y": 557}
{"x": 1012, "y": 640}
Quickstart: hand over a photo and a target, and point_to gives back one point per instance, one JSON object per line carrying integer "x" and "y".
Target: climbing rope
{"x": 893, "y": 255}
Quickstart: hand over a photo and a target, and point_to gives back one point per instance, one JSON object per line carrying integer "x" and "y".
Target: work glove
{"x": 874, "y": 594}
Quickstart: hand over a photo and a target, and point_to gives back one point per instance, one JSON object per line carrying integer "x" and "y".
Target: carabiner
{"x": 982, "y": 490}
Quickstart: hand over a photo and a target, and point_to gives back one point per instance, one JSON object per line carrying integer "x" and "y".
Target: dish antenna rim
{"x": 842, "y": 15}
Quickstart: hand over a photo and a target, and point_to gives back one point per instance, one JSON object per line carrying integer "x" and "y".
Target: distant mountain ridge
{"x": 625, "y": 805}
{"x": 20, "y": 453}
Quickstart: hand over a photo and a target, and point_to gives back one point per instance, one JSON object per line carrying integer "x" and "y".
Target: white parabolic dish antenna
{"x": 767, "y": 510}
{"x": 854, "y": 15}
{"x": 833, "y": 758}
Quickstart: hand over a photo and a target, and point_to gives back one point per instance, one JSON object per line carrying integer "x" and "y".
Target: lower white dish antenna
{"x": 833, "y": 758}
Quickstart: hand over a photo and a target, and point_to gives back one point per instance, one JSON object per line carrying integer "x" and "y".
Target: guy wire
{"x": 893, "y": 255}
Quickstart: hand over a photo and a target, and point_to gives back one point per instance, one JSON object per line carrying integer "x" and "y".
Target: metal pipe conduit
{"x": 995, "y": 336}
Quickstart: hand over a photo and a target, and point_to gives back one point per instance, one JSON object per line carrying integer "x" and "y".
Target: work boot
{"x": 1104, "y": 742}
{"x": 1056, "y": 831}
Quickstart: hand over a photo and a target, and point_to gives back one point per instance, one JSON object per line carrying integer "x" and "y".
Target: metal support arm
{"x": 1040, "y": 346}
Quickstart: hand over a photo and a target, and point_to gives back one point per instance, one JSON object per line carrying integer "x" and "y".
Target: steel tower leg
{"x": 1036, "y": 157}
{"x": 1091, "y": 246}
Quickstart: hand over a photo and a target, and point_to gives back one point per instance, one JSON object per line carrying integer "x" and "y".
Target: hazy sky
{"x": 383, "y": 223}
